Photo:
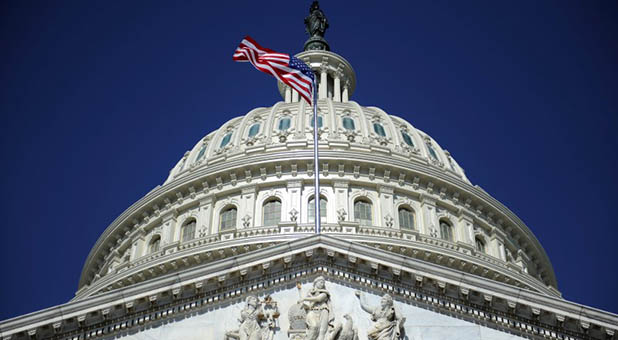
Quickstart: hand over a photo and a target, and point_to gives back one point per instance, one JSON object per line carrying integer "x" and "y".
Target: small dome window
{"x": 362, "y": 212}
{"x": 319, "y": 121}
{"x": 407, "y": 138}
{"x": 284, "y": 123}
{"x": 254, "y": 129}
{"x": 226, "y": 140}
{"x": 154, "y": 245}
{"x": 201, "y": 153}
{"x": 228, "y": 218}
{"x": 188, "y": 230}
{"x": 348, "y": 123}
{"x": 311, "y": 209}
{"x": 379, "y": 129}
{"x": 480, "y": 245}
{"x": 406, "y": 219}
{"x": 272, "y": 212}
{"x": 446, "y": 231}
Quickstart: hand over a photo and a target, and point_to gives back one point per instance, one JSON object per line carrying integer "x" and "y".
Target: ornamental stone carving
{"x": 317, "y": 303}
{"x": 341, "y": 214}
{"x": 312, "y": 318}
{"x": 344, "y": 331}
{"x": 387, "y": 320}
{"x": 258, "y": 320}
{"x": 246, "y": 221}
{"x": 293, "y": 215}
{"x": 388, "y": 221}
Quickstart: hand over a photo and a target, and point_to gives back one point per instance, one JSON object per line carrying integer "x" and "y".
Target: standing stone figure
{"x": 257, "y": 320}
{"x": 316, "y": 22}
{"x": 387, "y": 321}
{"x": 319, "y": 312}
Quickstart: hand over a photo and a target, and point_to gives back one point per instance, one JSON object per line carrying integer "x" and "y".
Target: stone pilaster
{"x": 386, "y": 215}
{"x": 342, "y": 204}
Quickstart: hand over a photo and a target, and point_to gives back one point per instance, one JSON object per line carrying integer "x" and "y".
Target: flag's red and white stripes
{"x": 277, "y": 64}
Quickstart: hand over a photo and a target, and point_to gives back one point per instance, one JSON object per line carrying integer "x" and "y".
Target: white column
{"x": 247, "y": 204}
{"x": 294, "y": 96}
{"x": 288, "y": 94}
{"x": 345, "y": 93}
{"x": 465, "y": 229}
{"x": 341, "y": 200}
{"x": 337, "y": 96}
{"x": 205, "y": 216}
{"x": 294, "y": 189}
{"x": 170, "y": 232}
{"x": 323, "y": 83}
{"x": 430, "y": 219}
{"x": 138, "y": 245}
{"x": 386, "y": 205}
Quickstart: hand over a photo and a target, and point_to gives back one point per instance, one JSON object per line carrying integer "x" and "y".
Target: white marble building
{"x": 235, "y": 218}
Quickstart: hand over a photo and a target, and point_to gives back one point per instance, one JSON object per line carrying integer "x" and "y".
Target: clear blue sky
{"x": 99, "y": 99}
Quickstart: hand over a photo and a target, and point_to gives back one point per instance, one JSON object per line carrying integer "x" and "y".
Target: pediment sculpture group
{"x": 313, "y": 318}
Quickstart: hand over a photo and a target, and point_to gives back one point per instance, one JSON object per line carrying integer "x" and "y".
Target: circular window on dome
{"x": 284, "y": 123}
{"x": 348, "y": 123}
{"x": 407, "y": 138}
{"x": 379, "y": 129}
{"x": 432, "y": 152}
{"x": 254, "y": 129}
{"x": 226, "y": 140}
{"x": 201, "y": 153}
{"x": 319, "y": 121}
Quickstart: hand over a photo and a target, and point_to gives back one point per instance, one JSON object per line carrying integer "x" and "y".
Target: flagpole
{"x": 316, "y": 196}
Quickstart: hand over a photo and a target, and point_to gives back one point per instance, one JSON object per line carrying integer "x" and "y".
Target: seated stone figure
{"x": 387, "y": 321}
{"x": 257, "y": 320}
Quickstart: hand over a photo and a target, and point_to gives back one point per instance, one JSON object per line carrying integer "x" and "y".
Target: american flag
{"x": 286, "y": 68}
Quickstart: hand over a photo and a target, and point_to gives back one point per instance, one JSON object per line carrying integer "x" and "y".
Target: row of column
{"x": 339, "y": 199}
{"x": 339, "y": 94}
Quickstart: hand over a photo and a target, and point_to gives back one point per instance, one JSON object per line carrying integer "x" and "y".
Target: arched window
{"x": 362, "y": 212}
{"x": 319, "y": 121}
{"x": 226, "y": 139}
{"x": 154, "y": 244}
{"x": 480, "y": 245}
{"x": 311, "y": 209}
{"x": 254, "y": 129}
{"x": 432, "y": 152}
{"x": 348, "y": 123}
{"x": 188, "y": 230}
{"x": 272, "y": 212}
{"x": 406, "y": 218}
{"x": 446, "y": 231}
{"x": 379, "y": 129}
{"x": 228, "y": 218}
{"x": 284, "y": 123}
{"x": 407, "y": 138}
{"x": 201, "y": 153}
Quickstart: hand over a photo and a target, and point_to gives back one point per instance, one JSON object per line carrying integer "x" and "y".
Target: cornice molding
{"x": 443, "y": 290}
{"x": 458, "y": 190}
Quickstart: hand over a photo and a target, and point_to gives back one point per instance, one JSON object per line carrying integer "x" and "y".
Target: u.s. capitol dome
{"x": 384, "y": 183}
{"x": 226, "y": 247}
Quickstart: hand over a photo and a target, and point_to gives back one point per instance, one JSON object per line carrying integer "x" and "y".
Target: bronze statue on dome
{"x": 316, "y": 25}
